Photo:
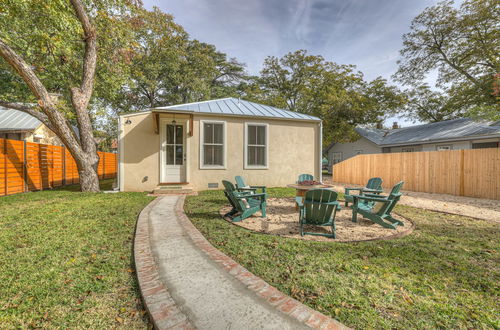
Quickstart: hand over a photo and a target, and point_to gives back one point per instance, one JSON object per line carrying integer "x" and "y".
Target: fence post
{"x": 5, "y": 166}
{"x": 25, "y": 168}
{"x": 462, "y": 174}
{"x": 64, "y": 166}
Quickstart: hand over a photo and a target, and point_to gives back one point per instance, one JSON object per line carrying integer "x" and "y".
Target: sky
{"x": 366, "y": 33}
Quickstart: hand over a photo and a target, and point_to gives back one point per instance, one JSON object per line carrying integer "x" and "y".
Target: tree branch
{"x": 27, "y": 73}
{"x": 80, "y": 96}
{"x": 31, "y": 110}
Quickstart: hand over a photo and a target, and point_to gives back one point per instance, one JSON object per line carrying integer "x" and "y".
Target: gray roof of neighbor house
{"x": 455, "y": 129}
{"x": 235, "y": 107}
{"x": 15, "y": 120}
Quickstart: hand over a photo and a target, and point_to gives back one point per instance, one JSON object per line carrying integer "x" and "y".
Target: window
{"x": 336, "y": 157}
{"x": 175, "y": 145}
{"x": 407, "y": 149}
{"x": 256, "y": 145}
{"x": 444, "y": 147}
{"x": 212, "y": 144}
{"x": 485, "y": 145}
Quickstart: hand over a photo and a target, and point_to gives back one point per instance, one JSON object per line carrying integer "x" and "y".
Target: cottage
{"x": 18, "y": 125}
{"x": 196, "y": 145}
{"x": 463, "y": 133}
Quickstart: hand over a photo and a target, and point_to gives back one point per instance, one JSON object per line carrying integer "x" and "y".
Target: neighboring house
{"x": 453, "y": 134}
{"x": 196, "y": 145}
{"x": 18, "y": 125}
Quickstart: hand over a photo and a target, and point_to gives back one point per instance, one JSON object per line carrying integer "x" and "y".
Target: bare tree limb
{"x": 26, "y": 72}
{"x": 80, "y": 96}
{"x": 32, "y": 110}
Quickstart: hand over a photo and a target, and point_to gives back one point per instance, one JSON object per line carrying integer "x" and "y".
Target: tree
{"x": 461, "y": 44}
{"x": 427, "y": 105}
{"x": 335, "y": 93}
{"x": 53, "y": 47}
{"x": 168, "y": 67}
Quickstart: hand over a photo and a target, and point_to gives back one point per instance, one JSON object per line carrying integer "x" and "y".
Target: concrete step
{"x": 173, "y": 189}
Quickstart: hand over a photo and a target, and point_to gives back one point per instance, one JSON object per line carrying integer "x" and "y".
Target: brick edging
{"x": 262, "y": 289}
{"x": 163, "y": 312}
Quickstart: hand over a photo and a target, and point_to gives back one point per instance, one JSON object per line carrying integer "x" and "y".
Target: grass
{"x": 66, "y": 260}
{"x": 444, "y": 275}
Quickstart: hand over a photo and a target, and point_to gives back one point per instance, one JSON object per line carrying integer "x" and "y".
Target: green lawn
{"x": 66, "y": 260}
{"x": 444, "y": 275}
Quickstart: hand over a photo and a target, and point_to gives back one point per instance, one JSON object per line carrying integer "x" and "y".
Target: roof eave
{"x": 166, "y": 110}
{"x": 470, "y": 137}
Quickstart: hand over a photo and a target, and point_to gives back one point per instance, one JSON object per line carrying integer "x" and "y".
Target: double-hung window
{"x": 212, "y": 144}
{"x": 256, "y": 145}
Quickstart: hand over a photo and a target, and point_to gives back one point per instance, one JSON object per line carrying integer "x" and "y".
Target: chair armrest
{"x": 261, "y": 187}
{"x": 375, "y": 195}
{"x": 347, "y": 190}
{"x": 375, "y": 191}
{"x": 370, "y": 199}
{"x": 261, "y": 196}
{"x": 246, "y": 189}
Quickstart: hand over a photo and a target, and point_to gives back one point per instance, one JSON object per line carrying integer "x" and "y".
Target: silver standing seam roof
{"x": 455, "y": 129}
{"x": 15, "y": 120}
{"x": 235, "y": 107}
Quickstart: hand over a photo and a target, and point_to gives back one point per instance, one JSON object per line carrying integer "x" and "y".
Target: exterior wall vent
{"x": 213, "y": 185}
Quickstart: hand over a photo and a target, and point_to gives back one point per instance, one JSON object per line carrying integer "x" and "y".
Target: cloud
{"x": 365, "y": 33}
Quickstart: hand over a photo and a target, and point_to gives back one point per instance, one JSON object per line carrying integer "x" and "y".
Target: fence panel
{"x": 27, "y": 166}
{"x": 473, "y": 173}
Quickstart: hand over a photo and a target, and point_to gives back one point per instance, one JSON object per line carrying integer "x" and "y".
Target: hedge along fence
{"x": 472, "y": 173}
{"x": 27, "y": 166}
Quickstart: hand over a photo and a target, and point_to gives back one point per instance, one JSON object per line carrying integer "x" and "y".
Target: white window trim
{"x": 224, "y": 145}
{"x": 245, "y": 142}
{"x": 444, "y": 145}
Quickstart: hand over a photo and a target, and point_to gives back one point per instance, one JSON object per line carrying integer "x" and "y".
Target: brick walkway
{"x": 187, "y": 283}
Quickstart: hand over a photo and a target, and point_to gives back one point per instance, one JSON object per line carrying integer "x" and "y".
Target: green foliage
{"x": 461, "y": 44}
{"x": 66, "y": 260}
{"x": 444, "y": 275}
{"x": 336, "y": 93}
{"x": 169, "y": 68}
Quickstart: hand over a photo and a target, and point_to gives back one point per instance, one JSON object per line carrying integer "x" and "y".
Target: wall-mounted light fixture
{"x": 128, "y": 121}
{"x": 173, "y": 121}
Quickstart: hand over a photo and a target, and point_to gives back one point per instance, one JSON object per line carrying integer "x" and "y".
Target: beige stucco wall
{"x": 49, "y": 137}
{"x": 293, "y": 149}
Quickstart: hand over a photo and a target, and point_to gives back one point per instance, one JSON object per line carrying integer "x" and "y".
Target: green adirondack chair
{"x": 374, "y": 186}
{"x": 378, "y": 208}
{"x": 305, "y": 177}
{"x": 242, "y": 186}
{"x": 244, "y": 203}
{"x": 318, "y": 208}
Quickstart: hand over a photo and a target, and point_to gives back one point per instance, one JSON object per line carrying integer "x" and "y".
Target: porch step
{"x": 173, "y": 189}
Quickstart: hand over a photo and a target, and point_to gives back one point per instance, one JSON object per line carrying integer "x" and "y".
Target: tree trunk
{"x": 87, "y": 170}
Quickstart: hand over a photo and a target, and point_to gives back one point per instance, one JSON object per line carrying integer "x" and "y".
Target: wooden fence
{"x": 473, "y": 173}
{"x": 27, "y": 166}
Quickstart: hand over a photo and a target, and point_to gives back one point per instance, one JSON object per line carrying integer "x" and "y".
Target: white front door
{"x": 174, "y": 153}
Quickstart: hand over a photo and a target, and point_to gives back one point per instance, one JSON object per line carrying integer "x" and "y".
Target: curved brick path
{"x": 186, "y": 283}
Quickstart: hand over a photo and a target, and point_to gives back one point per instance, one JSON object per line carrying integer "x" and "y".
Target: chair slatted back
{"x": 319, "y": 206}
{"x": 374, "y": 183}
{"x": 230, "y": 191}
{"x": 393, "y": 196}
{"x": 305, "y": 177}
{"x": 240, "y": 182}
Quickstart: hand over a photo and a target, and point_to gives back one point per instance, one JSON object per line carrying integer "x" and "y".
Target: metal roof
{"x": 11, "y": 119}
{"x": 235, "y": 107}
{"x": 454, "y": 129}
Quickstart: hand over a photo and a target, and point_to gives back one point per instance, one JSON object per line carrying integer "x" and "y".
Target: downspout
{"x": 120, "y": 154}
{"x": 320, "y": 138}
